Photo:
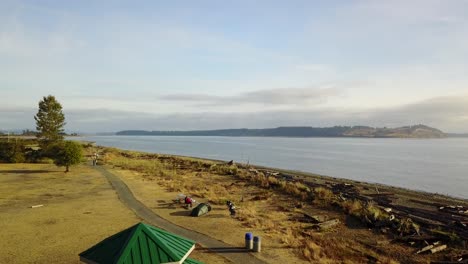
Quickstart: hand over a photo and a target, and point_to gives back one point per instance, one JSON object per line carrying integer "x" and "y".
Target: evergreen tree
{"x": 49, "y": 121}
{"x": 68, "y": 153}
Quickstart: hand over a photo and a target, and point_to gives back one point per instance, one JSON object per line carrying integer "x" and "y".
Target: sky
{"x": 188, "y": 65}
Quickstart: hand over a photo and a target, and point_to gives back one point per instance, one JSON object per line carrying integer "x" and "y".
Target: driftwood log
{"x": 327, "y": 225}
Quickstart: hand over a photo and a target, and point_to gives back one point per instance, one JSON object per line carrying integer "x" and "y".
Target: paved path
{"x": 234, "y": 254}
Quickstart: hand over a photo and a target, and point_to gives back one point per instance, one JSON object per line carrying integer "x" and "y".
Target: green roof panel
{"x": 192, "y": 261}
{"x": 110, "y": 248}
{"x": 140, "y": 243}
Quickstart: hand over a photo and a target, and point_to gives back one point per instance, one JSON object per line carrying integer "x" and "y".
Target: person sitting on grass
{"x": 232, "y": 208}
{"x": 188, "y": 202}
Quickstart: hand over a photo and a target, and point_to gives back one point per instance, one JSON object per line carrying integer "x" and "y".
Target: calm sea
{"x": 433, "y": 165}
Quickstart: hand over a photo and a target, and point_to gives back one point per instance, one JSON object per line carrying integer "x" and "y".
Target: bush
{"x": 325, "y": 194}
{"x": 224, "y": 169}
{"x": 12, "y": 152}
{"x": 33, "y": 155}
{"x": 352, "y": 207}
{"x": 408, "y": 227}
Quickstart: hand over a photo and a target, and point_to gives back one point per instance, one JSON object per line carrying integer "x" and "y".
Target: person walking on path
{"x": 95, "y": 158}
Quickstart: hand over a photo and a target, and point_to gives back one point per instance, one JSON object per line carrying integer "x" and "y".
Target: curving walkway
{"x": 234, "y": 254}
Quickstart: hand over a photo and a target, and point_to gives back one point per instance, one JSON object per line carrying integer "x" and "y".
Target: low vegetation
{"x": 19, "y": 151}
{"x": 256, "y": 193}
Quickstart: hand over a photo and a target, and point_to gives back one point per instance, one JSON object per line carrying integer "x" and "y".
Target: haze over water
{"x": 432, "y": 165}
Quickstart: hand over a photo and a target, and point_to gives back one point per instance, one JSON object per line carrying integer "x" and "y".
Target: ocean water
{"x": 432, "y": 165}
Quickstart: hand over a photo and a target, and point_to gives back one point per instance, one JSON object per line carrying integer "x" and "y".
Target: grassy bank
{"x": 278, "y": 206}
{"x": 301, "y": 217}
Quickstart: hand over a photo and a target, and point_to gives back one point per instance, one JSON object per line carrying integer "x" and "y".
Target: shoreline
{"x": 292, "y": 137}
{"x": 298, "y": 173}
{"x": 415, "y": 165}
{"x": 300, "y": 195}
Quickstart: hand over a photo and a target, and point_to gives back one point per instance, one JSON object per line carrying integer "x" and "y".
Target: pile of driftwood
{"x": 433, "y": 248}
{"x": 430, "y": 230}
{"x": 345, "y": 190}
{"x": 451, "y": 218}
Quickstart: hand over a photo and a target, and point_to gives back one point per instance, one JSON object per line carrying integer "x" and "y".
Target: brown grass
{"x": 311, "y": 251}
{"x": 323, "y": 196}
{"x": 352, "y": 207}
{"x": 265, "y": 206}
{"x": 80, "y": 209}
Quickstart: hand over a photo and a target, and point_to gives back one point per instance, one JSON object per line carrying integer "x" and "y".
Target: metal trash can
{"x": 248, "y": 241}
{"x": 257, "y": 244}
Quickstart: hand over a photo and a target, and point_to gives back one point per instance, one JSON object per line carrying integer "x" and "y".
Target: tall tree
{"x": 50, "y": 121}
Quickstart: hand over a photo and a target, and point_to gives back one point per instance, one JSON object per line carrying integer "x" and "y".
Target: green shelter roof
{"x": 192, "y": 261}
{"x": 141, "y": 243}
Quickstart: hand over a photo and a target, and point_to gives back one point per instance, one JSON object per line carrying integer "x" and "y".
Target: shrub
{"x": 224, "y": 169}
{"x": 352, "y": 207}
{"x": 291, "y": 188}
{"x": 12, "y": 152}
{"x": 374, "y": 213}
{"x": 33, "y": 155}
{"x": 302, "y": 187}
{"x": 408, "y": 227}
{"x": 325, "y": 194}
{"x": 273, "y": 181}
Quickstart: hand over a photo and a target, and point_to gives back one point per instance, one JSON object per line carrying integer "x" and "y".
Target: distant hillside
{"x": 457, "y": 135}
{"x": 418, "y": 131}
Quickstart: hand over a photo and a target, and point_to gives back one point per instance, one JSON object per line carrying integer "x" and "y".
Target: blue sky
{"x": 161, "y": 65}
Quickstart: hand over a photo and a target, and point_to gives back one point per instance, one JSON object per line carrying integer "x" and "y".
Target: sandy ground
{"x": 79, "y": 209}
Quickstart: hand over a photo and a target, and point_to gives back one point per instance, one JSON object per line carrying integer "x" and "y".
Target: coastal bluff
{"x": 416, "y": 131}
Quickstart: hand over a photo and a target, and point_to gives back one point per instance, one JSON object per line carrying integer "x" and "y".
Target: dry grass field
{"x": 80, "y": 208}
{"x": 271, "y": 213}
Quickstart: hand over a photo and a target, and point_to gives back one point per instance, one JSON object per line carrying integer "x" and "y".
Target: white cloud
{"x": 274, "y": 97}
{"x": 446, "y": 113}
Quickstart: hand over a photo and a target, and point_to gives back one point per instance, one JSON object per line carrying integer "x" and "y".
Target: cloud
{"x": 447, "y": 113}
{"x": 283, "y": 96}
